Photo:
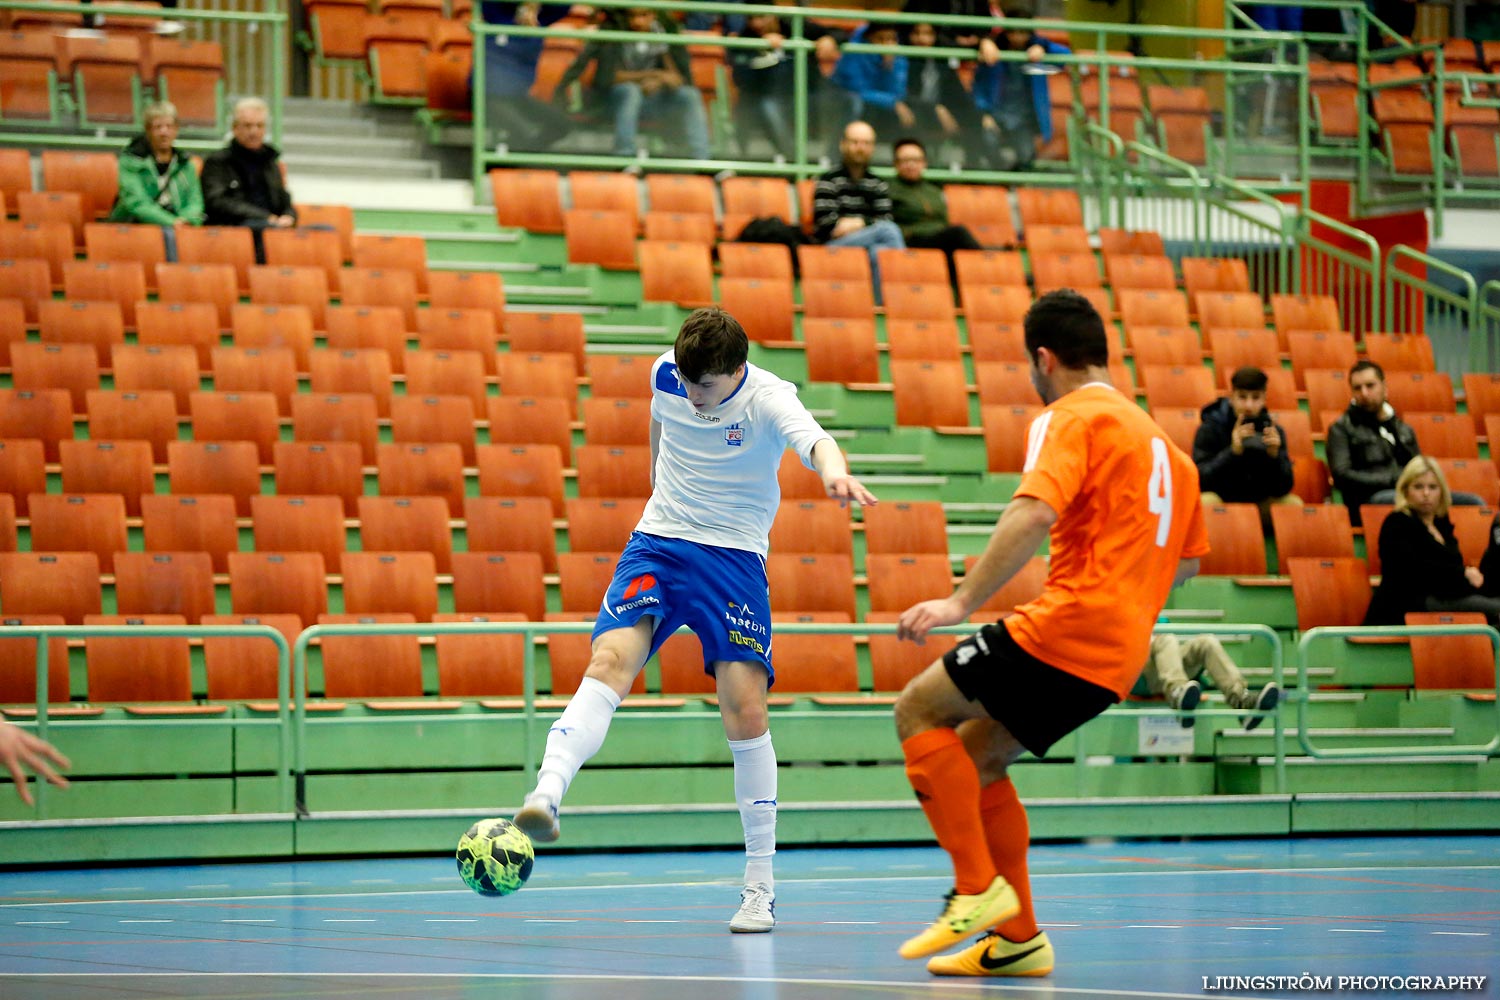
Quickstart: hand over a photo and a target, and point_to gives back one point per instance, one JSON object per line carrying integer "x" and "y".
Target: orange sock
{"x": 947, "y": 785}
{"x": 1008, "y": 835}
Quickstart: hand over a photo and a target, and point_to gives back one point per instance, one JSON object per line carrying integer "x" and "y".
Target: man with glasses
{"x": 921, "y": 210}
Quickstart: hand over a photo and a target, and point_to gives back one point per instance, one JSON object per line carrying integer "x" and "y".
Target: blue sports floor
{"x": 1127, "y": 919}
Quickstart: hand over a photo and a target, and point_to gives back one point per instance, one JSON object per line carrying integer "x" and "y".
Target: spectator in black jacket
{"x": 1370, "y": 444}
{"x": 1421, "y": 566}
{"x": 644, "y": 77}
{"x": 242, "y": 183}
{"x": 941, "y": 106}
{"x": 1240, "y": 451}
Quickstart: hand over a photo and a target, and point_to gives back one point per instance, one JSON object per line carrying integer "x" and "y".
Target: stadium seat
{"x": 201, "y": 523}
{"x": 985, "y": 210}
{"x": 600, "y": 524}
{"x": 1177, "y": 386}
{"x": 583, "y": 579}
{"x": 165, "y": 583}
{"x": 819, "y": 526}
{"x": 79, "y": 522}
{"x": 908, "y": 527}
{"x": 94, "y": 175}
{"x": 605, "y": 238}
{"x": 372, "y": 666}
{"x": 23, "y": 470}
{"x": 231, "y": 467}
{"x": 333, "y": 468}
{"x": 922, "y": 339}
{"x": 366, "y": 370}
{"x": 767, "y": 261}
{"x": 431, "y": 469}
{"x": 1157, "y": 346}
{"x": 541, "y": 373}
{"x": 1317, "y": 531}
{"x": 811, "y": 582}
{"x": 1152, "y": 307}
{"x": 245, "y": 417}
{"x": 297, "y": 523}
{"x": 250, "y": 371}
{"x": 1451, "y": 662}
{"x": 838, "y": 300}
{"x": 1180, "y": 426}
{"x": 100, "y": 325}
{"x": 390, "y": 583}
{"x": 292, "y": 286}
{"x": 64, "y": 583}
{"x": 1236, "y": 545}
{"x": 527, "y": 199}
{"x": 191, "y": 324}
{"x": 243, "y": 668}
{"x": 1005, "y": 437}
{"x": 676, "y": 272}
{"x": 482, "y": 665}
{"x": 997, "y": 342}
{"x": 1430, "y": 392}
{"x": 214, "y": 283}
{"x": 306, "y": 248}
{"x": 74, "y": 367}
{"x": 393, "y": 253}
{"x": 613, "y": 470}
{"x": 468, "y": 290}
{"x": 349, "y": 417}
{"x": 1004, "y": 383}
{"x": 929, "y": 394}
{"x": 512, "y": 524}
{"x": 418, "y": 420}
{"x": 764, "y": 306}
{"x": 121, "y": 467}
{"x": 1329, "y": 591}
{"x": 140, "y": 669}
{"x": 363, "y": 286}
{"x": 533, "y": 470}
{"x": 499, "y": 582}
{"x": 218, "y": 245}
{"x": 407, "y": 524}
{"x": 18, "y": 662}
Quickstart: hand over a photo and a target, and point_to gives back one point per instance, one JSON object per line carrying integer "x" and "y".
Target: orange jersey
{"x": 1128, "y": 511}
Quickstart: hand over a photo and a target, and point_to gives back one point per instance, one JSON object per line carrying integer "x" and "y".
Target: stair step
{"x": 374, "y": 151}
{"x": 296, "y": 126}
{"x": 354, "y": 167}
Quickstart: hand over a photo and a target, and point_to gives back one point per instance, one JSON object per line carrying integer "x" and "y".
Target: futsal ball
{"x": 495, "y": 857}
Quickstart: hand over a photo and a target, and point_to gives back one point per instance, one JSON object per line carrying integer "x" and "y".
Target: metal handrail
{"x": 284, "y": 753}
{"x": 1315, "y": 635}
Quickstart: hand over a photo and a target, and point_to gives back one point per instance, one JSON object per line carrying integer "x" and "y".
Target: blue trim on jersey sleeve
{"x": 667, "y": 380}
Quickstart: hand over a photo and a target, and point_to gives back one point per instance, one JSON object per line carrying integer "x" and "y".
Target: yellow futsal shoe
{"x": 965, "y": 915}
{"x": 993, "y": 955}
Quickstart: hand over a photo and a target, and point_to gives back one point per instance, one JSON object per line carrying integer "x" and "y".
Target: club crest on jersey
{"x": 734, "y": 435}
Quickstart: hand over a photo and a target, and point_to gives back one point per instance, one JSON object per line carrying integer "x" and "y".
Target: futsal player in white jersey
{"x": 719, "y": 426}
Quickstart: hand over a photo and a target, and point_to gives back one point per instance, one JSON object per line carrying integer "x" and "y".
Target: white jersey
{"x": 716, "y": 470}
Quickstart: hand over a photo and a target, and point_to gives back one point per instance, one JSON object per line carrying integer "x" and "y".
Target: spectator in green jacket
{"x": 920, "y": 209}
{"x": 158, "y": 185}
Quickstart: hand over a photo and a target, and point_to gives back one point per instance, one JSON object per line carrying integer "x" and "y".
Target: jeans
{"x": 627, "y": 102}
{"x": 169, "y": 243}
{"x": 874, "y": 237}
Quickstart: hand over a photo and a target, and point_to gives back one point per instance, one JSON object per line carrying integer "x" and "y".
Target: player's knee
{"x": 912, "y": 714}
{"x": 607, "y": 666}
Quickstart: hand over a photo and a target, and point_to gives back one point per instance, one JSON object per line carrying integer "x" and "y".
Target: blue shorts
{"x": 719, "y": 593}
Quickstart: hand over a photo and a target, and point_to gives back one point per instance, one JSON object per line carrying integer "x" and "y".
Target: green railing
{"x": 1313, "y": 636}
{"x": 1415, "y": 303}
{"x": 293, "y": 764}
{"x": 286, "y": 742}
{"x": 22, "y": 131}
{"x": 1487, "y": 324}
{"x": 1100, "y": 63}
{"x": 1335, "y": 259}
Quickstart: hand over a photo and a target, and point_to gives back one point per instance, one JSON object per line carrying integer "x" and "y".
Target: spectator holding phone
{"x": 1240, "y": 451}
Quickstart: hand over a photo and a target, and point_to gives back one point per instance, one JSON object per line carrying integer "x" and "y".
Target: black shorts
{"x": 1037, "y": 702}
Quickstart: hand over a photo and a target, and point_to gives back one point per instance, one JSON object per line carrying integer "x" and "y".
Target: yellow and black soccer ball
{"x": 495, "y": 857}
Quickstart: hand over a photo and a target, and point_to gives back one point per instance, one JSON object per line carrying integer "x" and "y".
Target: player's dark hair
{"x": 1360, "y": 366}
{"x": 1249, "y": 379}
{"x": 1068, "y": 325}
{"x": 710, "y": 342}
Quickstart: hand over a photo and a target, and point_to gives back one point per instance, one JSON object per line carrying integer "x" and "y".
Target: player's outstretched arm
{"x": 21, "y": 751}
{"x": 830, "y": 466}
{"x": 1017, "y": 536}
{"x": 1186, "y": 570}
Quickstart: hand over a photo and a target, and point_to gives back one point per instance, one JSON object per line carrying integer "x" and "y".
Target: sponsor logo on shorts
{"x": 734, "y": 435}
{"x": 750, "y": 642}
{"x": 639, "y": 586}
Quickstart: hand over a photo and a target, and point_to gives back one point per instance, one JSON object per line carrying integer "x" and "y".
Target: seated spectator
{"x": 851, "y": 206}
{"x": 242, "y": 183}
{"x": 1175, "y": 666}
{"x": 941, "y": 104}
{"x": 1421, "y": 566}
{"x": 1370, "y": 444}
{"x": 510, "y": 72}
{"x": 965, "y": 37}
{"x": 158, "y": 183}
{"x": 1239, "y": 449}
{"x": 869, "y": 87}
{"x": 1015, "y": 106}
{"x": 920, "y": 209}
{"x": 647, "y": 77}
{"x": 765, "y": 78}
{"x": 733, "y": 24}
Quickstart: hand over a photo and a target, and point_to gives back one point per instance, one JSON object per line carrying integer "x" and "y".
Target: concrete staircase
{"x": 348, "y": 139}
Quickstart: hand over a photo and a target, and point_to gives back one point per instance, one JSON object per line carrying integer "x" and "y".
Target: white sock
{"x": 755, "y": 791}
{"x": 576, "y": 736}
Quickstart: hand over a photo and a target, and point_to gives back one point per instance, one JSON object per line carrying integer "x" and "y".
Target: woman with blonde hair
{"x": 1421, "y": 565}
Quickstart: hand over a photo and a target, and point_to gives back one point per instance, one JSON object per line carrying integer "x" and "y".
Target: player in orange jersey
{"x": 1121, "y": 504}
